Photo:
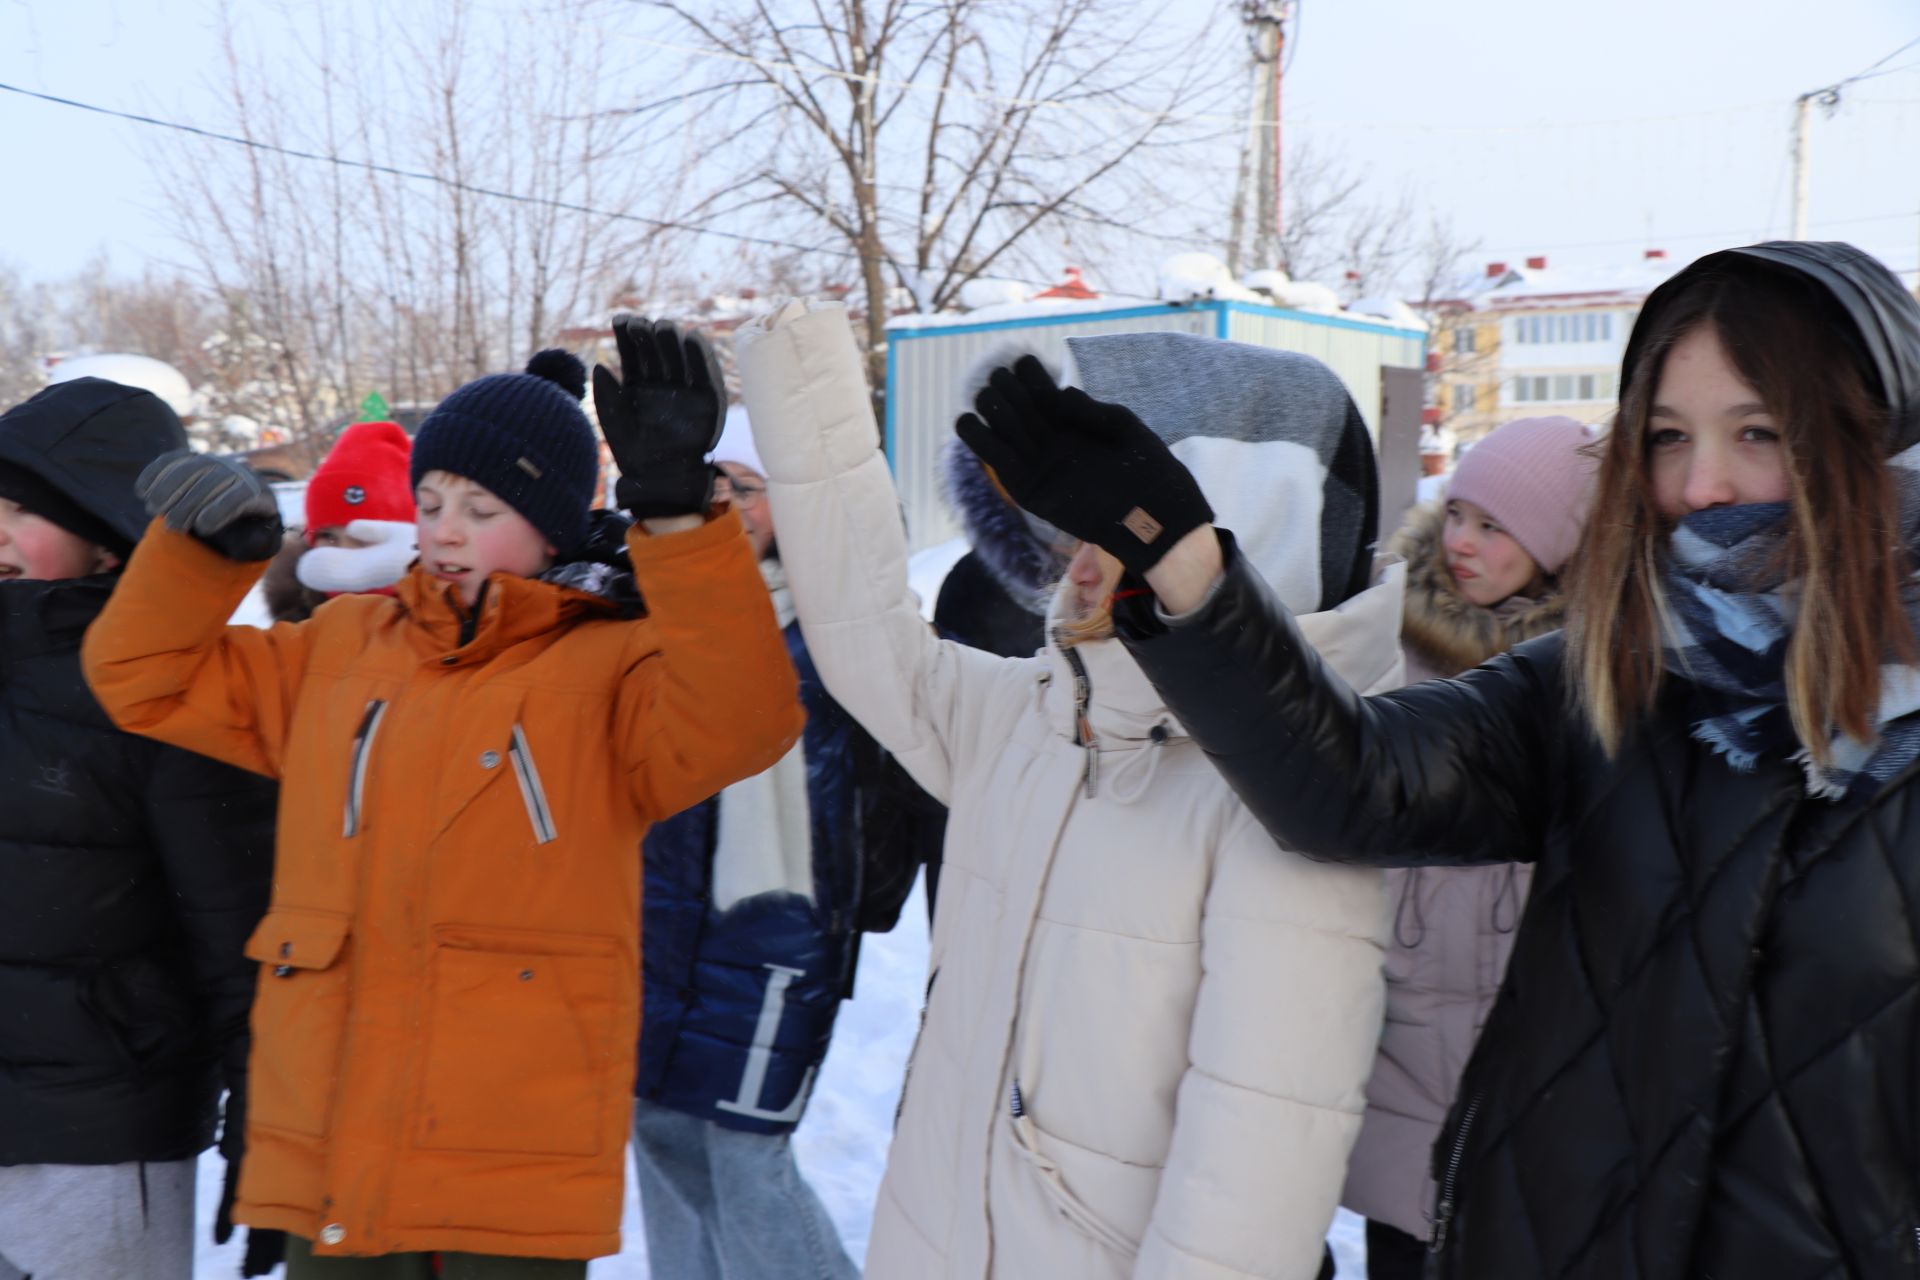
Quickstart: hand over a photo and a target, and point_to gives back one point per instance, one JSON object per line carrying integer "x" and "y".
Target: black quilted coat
{"x": 131, "y": 873}
{"x": 1705, "y": 1061}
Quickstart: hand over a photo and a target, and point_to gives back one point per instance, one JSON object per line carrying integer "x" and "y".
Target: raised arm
{"x": 1446, "y": 772}
{"x": 709, "y": 696}
{"x": 164, "y": 663}
{"x": 845, "y": 549}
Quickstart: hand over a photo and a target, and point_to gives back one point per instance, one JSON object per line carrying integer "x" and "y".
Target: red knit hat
{"x": 365, "y": 477}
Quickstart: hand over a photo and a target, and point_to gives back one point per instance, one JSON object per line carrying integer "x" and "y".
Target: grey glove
{"x": 218, "y": 500}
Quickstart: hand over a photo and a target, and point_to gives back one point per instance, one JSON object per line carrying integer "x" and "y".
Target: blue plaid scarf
{"x": 1729, "y": 616}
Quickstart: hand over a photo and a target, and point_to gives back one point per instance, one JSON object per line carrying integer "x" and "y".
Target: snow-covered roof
{"x": 1534, "y": 286}
{"x": 1003, "y": 311}
{"x": 130, "y": 370}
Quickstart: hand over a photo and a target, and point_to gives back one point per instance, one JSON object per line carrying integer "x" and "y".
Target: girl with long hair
{"x": 1704, "y": 1058}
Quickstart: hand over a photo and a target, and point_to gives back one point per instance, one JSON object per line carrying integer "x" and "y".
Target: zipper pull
{"x": 1093, "y": 769}
{"x": 1442, "y": 1214}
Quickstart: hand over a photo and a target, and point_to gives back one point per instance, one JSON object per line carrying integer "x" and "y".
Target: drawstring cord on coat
{"x": 1409, "y": 896}
{"x": 1157, "y": 740}
{"x": 1510, "y": 895}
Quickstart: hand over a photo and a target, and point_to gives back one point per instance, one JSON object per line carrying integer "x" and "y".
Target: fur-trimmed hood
{"x": 1442, "y": 629}
{"x": 1002, "y": 535}
{"x": 289, "y": 599}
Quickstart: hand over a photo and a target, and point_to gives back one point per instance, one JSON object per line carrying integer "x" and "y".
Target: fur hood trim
{"x": 1024, "y": 566}
{"x": 287, "y": 598}
{"x": 1441, "y": 627}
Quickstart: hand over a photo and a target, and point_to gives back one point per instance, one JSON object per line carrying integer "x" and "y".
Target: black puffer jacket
{"x": 1705, "y": 1061}
{"x": 130, "y": 873}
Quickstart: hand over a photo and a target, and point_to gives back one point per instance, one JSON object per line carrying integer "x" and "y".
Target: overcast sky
{"x": 1585, "y": 132}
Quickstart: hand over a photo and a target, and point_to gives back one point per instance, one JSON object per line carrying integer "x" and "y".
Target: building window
{"x": 1562, "y": 387}
{"x": 1463, "y": 399}
{"x": 1463, "y": 340}
{"x": 1586, "y": 387}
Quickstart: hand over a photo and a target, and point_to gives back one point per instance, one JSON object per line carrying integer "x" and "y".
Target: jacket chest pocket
{"x": 491, "y": 742}
{"x": 299, "y": 1018}
{"x": 358, "y": 761}
{"x": 526, "y": 1038}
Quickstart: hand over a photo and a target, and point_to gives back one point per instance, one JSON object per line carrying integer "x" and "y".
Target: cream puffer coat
{"x": 1148, "y": 1029}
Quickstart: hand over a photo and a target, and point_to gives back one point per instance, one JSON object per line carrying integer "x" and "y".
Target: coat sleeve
{"x": 1447, "y": 772}
{"x": 213, "y": 827}
{"x": 164, "y": 663}
{"x": 1284, "y": 1030}
{"x": 842, "y": 540}
{"x": 708, "y": 694}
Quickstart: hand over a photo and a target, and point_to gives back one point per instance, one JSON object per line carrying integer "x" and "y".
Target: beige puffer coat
{"x": 1148, "y": 1029}
{"x": 1452, "y": 926}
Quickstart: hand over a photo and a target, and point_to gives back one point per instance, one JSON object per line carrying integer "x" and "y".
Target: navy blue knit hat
{"x": 525, "y": 437}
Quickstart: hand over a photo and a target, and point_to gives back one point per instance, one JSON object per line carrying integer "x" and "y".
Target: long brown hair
{"x": 1843, "y": 547}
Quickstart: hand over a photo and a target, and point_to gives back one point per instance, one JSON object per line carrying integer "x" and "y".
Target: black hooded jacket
{"x": 1705, "y": 1060}
{"x": 131, "y": 873}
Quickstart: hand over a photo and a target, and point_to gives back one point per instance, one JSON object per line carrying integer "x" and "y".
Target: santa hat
{"x": 363, "y": 478}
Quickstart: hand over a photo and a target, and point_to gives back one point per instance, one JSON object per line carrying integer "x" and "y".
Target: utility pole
{"x": 1261, "y": 156}
{"x": 1828, "y": 98}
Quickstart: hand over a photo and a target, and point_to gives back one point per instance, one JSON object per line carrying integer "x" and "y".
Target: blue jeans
{"x": 721, "y": 1204}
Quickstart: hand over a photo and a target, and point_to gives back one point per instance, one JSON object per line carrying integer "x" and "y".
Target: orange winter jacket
{"x": 449, "y": 991}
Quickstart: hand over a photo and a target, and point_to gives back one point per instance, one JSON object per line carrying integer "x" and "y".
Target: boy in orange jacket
{"x": 445, "y": 1021}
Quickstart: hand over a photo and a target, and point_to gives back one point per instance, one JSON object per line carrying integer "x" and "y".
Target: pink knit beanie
{"x": 1533, "y": 476}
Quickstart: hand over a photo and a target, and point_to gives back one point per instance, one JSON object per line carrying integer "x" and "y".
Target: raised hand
{"x": 218, "y": 500}
{"x": 1089, "y": 468}
{"x": 661, "y": 416}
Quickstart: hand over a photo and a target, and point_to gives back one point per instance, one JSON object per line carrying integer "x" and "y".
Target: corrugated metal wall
{"x": 926, "y": 369}
{"x": 1352, "y": 350}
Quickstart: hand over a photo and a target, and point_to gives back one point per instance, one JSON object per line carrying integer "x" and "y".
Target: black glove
{"x": 1090, "y": 469}
{"x": 661, "y": 417}
{"x": 266, "y": 1249}
{"x": 218, "y": 500}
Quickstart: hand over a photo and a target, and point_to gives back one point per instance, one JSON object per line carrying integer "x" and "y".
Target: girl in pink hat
{"x": 1483, "y": 574}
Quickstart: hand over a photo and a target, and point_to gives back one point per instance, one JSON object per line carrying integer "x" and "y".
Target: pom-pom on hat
{"x": 1534, "y": 476}
{"x": 524, "y": 437}
{"x": 364, "y": 477}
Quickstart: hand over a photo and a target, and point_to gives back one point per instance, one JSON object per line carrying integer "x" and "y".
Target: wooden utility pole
{"x": 1261, "y": 159}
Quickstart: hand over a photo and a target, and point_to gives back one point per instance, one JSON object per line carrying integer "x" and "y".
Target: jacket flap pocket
{"x": 298, "y": 937}
{"x": 472, "y": 937}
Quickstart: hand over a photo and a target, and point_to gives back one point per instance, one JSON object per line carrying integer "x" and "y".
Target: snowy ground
{"x": 842, "y": 1145}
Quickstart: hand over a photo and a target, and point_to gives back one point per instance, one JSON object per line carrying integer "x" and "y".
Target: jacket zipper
{"x": 1443, "y": 1211}
{"x": 357, "y": 770}
{"x": 1082, "y": 723}
{"x": 531, "y": 791}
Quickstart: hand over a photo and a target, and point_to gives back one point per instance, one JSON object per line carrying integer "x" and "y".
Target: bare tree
{"x": 929, "y": 142}
{"x": 463, "y": 212}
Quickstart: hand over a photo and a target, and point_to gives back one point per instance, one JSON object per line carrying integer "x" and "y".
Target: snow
{"x": 1392, "y": 310}
{"x": 144, "y": 372}
{"x": 1267, "y": 281}
{"x": 927, "y": 569}
{"x": 1037, "y": 307}
{"x": 1190, "y": 277}
{"x": 985, "y": 292}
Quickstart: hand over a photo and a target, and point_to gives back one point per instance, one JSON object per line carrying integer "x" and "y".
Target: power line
{"x": 417, "y": 175}
{"x": 1145, "y": 113}
{"x": 372, "y": 166}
